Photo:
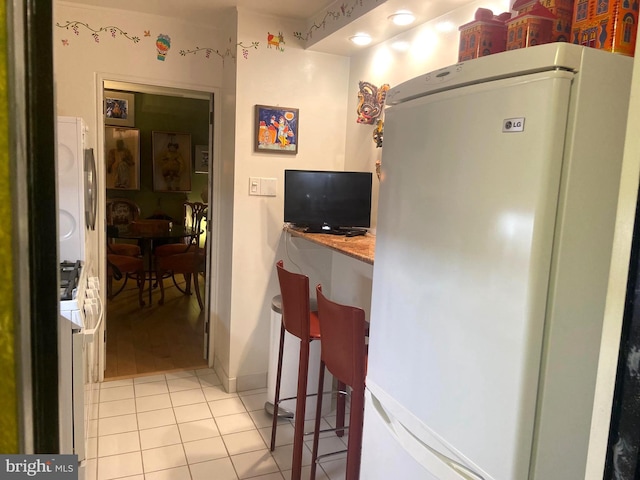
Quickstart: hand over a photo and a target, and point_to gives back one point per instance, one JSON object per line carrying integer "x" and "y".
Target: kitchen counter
{"x": 361, "y": 247}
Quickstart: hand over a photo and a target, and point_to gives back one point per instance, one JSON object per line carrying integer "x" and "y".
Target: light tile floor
{"x": 184, "y": 426}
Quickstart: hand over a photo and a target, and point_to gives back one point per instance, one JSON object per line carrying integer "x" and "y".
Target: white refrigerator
{"x": 495, "y": 226}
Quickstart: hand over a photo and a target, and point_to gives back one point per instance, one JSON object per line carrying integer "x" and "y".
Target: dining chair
{"x": 343, "y": 351}
{"x": 189, "y": 263}
{"x": 125, "y": 267}
{"x": 194, "y": 214}
{"x": 120, "y": 212}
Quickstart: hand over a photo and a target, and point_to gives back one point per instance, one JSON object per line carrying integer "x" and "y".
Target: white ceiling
{"x": 374, "y": 22}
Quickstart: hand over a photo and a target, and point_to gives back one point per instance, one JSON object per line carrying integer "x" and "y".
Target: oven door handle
{"x": 89, "y": 334}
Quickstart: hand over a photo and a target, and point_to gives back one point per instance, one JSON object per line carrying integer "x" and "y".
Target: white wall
{"x": 322, "y": 86}
{"x": 316, "y": 83}
{"x": 429, "y": 46}
{"x": 81, "y": 63}
{"x": 222, "y": 211}
{"x": 250, "y": 228}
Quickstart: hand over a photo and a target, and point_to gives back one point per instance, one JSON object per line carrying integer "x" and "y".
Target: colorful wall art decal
{"x": 75, "y": 25}
{"x": 275, "y": 41}
{"x": 370, "y": 102}
{"x": 163, "y": 44}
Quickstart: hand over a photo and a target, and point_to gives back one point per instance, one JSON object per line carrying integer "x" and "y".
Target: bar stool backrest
{"x": 294, "y": 288}
{"x": 343, "y": 329}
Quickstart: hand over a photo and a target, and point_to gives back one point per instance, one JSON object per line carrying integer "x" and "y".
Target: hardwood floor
{"x": 156, "y": 338}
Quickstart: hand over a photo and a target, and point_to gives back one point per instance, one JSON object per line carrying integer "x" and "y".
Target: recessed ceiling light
{"x": 402, "y": 17}
{"x": 361, "y": 39}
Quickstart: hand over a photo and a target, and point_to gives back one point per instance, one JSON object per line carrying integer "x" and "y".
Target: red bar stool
{"x": 344, "y": 353}
{"x": 300, "y": 321}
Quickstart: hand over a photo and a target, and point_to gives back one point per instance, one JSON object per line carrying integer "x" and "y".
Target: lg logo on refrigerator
{"x": 513, "y": 125}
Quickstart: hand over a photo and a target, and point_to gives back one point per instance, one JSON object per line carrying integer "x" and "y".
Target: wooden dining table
{"x": 148, "y": 239}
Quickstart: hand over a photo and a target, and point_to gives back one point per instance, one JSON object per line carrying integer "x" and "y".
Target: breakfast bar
{"x": 361, "y": 247}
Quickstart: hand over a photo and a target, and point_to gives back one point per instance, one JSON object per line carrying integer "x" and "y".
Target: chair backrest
{"x": 294, "y": 290}
{"x": 194, "y": 214}
{"x": 150, "y": 226}
{"x": 343, "y": 348}
{"x": 120, "y": 212}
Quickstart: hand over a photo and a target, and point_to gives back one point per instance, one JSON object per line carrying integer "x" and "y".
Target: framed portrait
{"x": 276, "y": 130}
{"x": 122, "y": 158}
{"x": 171, "y": 161}
{"x": 201, "y": 158}
{"x": 119, "y": 108}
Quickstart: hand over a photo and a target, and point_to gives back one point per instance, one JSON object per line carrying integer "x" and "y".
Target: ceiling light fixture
{"x": 402, "y": 17}
{"x": 361, "y": 39}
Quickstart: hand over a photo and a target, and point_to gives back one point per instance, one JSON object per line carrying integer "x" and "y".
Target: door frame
{"x": 149, "y": 85}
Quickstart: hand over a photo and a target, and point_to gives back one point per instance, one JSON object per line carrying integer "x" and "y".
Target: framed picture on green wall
{"x": 171, "y": 161}
{"x": 122, "y": 154}
{"x": 119, "y": 108}
{"x": 201, "y": 159}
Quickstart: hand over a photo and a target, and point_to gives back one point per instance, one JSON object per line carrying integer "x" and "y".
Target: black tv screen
{"x": 327, "y": 201}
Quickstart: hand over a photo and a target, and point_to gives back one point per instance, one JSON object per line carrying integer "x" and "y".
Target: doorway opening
{"x": 173, "y": 335}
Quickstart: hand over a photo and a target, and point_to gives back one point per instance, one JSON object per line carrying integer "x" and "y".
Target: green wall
{"x": 162, "y": 113}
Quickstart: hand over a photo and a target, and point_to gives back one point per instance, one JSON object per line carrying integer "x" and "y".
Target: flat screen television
{"x": 328, "y": 201}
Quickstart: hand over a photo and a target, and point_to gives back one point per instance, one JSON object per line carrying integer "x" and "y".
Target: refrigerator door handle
{"x": 417, "y": 448}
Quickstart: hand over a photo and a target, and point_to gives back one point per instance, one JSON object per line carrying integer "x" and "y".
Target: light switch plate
{"x": 254, "y": 185}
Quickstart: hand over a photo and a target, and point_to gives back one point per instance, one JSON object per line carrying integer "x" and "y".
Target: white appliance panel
{"x": 462, "y": 320}
{"x": 70, "y": 181}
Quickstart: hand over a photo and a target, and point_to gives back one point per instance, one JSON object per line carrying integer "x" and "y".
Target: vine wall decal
{"x": 345, "y": 10}
{"x": 75, "y": 25}
{"x": 227, "y": 53}
{"x": 163, "y": 42}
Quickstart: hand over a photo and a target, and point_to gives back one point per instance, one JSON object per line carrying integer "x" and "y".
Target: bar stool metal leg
{"x": 276, "y": 400}
{"x": 301, "y": 405}
{"x": 341, "y": 409}
{"x": 316, "y": 429}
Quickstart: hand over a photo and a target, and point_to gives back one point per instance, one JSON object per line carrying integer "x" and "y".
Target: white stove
{"x": 80, "y": 317}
